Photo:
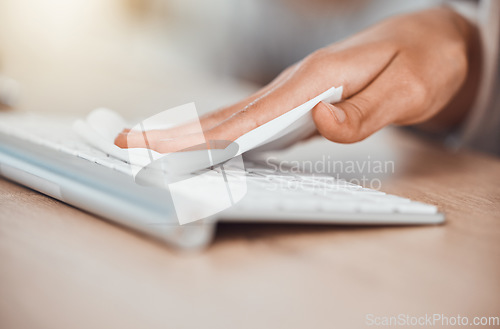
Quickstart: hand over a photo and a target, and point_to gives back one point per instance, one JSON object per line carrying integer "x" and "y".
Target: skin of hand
{"x": 402, "y": 71}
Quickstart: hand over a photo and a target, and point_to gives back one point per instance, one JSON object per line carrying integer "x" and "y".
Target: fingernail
{"x": 338, "y": 113}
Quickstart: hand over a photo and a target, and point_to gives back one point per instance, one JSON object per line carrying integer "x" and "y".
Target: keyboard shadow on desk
{"x": 267, "y": 232}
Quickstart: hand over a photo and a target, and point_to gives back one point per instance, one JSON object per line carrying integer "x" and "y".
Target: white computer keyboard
{"x": 269, "y": 192}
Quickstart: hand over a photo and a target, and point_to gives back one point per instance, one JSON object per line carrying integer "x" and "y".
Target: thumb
{"x": 384, "y": 101}
{"x": 343, "y": 122}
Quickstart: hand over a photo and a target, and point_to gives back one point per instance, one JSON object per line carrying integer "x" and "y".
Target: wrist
{"x": 466, "y": 27}
{"x": 453, "y": 114}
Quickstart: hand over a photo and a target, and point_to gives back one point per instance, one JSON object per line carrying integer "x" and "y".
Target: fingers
{"x": 139, "y": 139}
{"x": 393, "y": 97}
{"x": 179, "y": 144}
{"x": 353, "y": 69}
{"x": 130, "y": 138}
{"x": 214, "y": 118}
{"x": 136, "y": 138}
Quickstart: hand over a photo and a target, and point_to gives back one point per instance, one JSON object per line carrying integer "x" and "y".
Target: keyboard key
{"x": 305, "y": 204}
{"x": 416, "y": 208}
{"x": 268, "y": 190}
{"x": 367, "y": 191}
{"x": 388, "y": 198}
{"x": 347, "y": 207}
{"x": 372, "y": 207}
{"x": 106, "y": 162}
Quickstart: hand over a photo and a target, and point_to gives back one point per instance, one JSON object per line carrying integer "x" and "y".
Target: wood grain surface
{"x": 63, "y": 268}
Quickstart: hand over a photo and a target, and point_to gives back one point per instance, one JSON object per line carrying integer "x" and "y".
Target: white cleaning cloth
{"x": 101, "y": 127}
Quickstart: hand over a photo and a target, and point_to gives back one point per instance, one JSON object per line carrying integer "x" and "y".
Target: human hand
{"x": 402, "y": 71}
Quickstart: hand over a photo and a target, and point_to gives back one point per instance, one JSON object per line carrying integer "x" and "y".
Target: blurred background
{"x": 143, "y": 56}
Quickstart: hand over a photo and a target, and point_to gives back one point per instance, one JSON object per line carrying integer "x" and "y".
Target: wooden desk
{"x": 63, "y": 268}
